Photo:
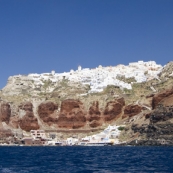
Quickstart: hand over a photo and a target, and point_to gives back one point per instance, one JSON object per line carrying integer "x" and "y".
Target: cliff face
{"x": 28, "y": 121}
{"x": 160, "y": 96}
{"x": 5, "y": 112}
{"x": 24, "y": 117}
{"x": 94, "y": 115}
{"x": 72, "y": 114}
{"x": 47, "y": 112}
{"x": 112, "y": 110}
{"x": 131, "y": 110}
{"x": 159, "y": 131}
{"x": 146, "y": 109}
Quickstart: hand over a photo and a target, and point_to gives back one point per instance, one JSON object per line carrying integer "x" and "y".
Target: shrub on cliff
{"x": 120, "y": 128}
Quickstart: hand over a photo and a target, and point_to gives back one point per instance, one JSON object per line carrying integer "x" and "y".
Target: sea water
{"x": 107, "y": 159}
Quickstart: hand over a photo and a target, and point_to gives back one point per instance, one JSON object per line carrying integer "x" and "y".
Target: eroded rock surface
{"x": 94, "y": 112}
{"x": 113, "y": 110}
{"x": 131, "y": 110}
{"x": 47, "y": 112}
{"x": 160, "y": 96}
{"x": 5, "y": 112}
{"x": 28, "y": 121}
{"x": 72, "y": 114}
{"x": 159, "y": 131}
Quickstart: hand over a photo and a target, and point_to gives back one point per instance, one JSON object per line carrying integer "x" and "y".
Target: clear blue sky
{"x": 38, "y": 36}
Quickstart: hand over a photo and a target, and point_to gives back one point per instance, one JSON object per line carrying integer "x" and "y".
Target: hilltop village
{"x": 97, "y": 79}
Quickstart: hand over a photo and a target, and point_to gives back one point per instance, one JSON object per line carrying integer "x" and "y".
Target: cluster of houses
{"x": 97, "y": 78}
{"x": 108, "y": 136}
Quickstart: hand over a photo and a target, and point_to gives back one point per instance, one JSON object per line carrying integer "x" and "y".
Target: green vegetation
{"x": 126, "y": 80}
{"x": 127, "y": 91}
{"x": 64, "y": 83}
{"x": 146, "y": 72}
{"x": 47, "y": 83}
{"x": 121, "y": 128}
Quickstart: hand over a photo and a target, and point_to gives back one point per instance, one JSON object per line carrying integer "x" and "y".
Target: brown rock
{"x": 94, "y": 113}
{"x": 26, "y": 106}
{"x": 131, "y": 110}
{"x": 72, "y": 121}
{"x": 147, "y": 115}
{"x": 160, "y": 96}
{"x": 71, "y": 105}
{"x": 5, "y": 134}
{"x": 149, "y": 96}
{"x": 94, "y": 124}
{"x": 72, "y": 114}
{"x": 14, "y": 122}
{"x": 121, "y": 101}
{"x": 46, "y": 112}
{"x": 112, "y": 110}
{"x": 28, "y": 121}
{"x": 5, "y": 112}
{"x": 167, "y": 101}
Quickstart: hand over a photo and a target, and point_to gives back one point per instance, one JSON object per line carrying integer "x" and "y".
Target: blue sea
{"x": 108, "y": 159}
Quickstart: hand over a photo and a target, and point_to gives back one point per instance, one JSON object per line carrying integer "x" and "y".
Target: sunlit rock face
{"x": 47, "y": 112}
{"x": 27, "y": 120}
{"x": 145, "y": 109}
{"x": 94, "y": 112}
{"x": 112, "y": 110}
{"x": 72, "y": 114}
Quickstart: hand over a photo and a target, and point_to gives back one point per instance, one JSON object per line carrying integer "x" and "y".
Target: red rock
{"x": 112, "y": 110}
{"x": 72, "y": 122}
{"x": 46, "y": 112}
{"x": 94, "y": 113}
{"x": 28, "y": 121}
{"x": 72, "y": 114}
{"x": 167, "y": 101}
{"x": 160, "y": 96}
{"x": 5, "y": 112}
{"x": 131, "y": 110}
{"x": 121, "y": 101}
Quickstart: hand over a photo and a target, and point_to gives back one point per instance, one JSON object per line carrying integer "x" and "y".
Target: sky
{"x": 38, "y": 36}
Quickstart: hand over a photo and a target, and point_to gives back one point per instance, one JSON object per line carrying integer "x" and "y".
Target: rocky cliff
{"x": 159, "y": 130}
{"x": 146, "y": 110}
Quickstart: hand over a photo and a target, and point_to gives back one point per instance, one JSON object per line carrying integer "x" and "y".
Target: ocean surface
{"x": 106, "y": 159}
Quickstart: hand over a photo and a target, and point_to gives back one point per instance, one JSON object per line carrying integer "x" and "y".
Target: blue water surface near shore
{"x": 86, "y": 159}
